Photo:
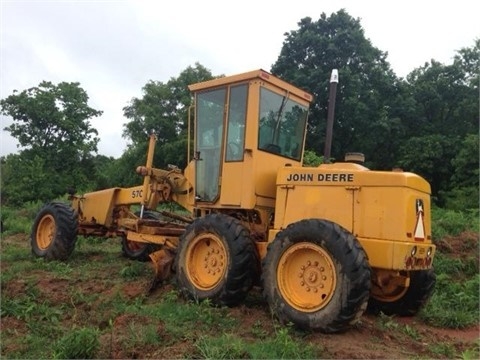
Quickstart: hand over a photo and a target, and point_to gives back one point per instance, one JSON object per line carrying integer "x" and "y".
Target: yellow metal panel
{"x": 232, "y": 183}
{"x": 133, "y": 195}
{"x": 332, "y": 203}
{"x": 248, "y": 198}
{"x": 266, "y": 170}
{"x": 310, "y": 195}
{"x": 389, "y": 213}
{"x": 96, "y": 207}
{"x": 149, "y": 238}
{"x": 281, "y": 202}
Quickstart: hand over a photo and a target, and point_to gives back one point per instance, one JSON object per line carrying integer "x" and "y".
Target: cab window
{"x": 237, "y": 110}
{"x": 281, "y": 125}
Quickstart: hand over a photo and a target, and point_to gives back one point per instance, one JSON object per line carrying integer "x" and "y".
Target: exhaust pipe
{"x": 331, "y": 112}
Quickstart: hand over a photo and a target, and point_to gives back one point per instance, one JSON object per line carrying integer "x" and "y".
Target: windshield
{"x": 282, "y": 125}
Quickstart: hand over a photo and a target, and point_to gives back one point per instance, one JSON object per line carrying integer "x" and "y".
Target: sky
{"x": 114, "y": 47}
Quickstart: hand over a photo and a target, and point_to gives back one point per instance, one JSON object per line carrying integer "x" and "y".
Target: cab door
{"x": 209, "y": 145}
{"x": 233, "y": 176}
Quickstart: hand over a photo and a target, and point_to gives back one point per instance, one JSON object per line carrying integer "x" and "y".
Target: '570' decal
{"x": 137, "y": 193}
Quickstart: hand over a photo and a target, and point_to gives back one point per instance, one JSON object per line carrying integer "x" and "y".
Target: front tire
{"x": 54, "y": 232}
{"x": 316, "y": 276}
{"x": 216, "y": 260}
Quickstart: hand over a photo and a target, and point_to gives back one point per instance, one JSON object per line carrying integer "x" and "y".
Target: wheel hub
{"x": 214, "y": 261}
{"x": 312, "y": 276}
{"x": 389, "y": 286}
{"x": 45, "y": 232}
{"x": 206, "y": 264}
{"x": 314, "y": 285}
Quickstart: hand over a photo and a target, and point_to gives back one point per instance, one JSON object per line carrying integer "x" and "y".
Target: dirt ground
{"x": 369, "y": 339}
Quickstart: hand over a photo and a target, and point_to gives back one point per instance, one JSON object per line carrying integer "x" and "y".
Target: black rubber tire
{"x": 60, "y": 221}
{"x": 242, "y": 263}
{"x": 422, "y": 285}
{"x": 134, "y": 250}
{"x": 350, "y": 292}
{"x": 139, "y": 251}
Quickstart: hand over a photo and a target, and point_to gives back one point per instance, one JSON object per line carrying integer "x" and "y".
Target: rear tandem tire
{"x": 316, "y": 275}
{"x": 216, "y": 260}
{"x": 135, "y": 250}
{"x": 422, "y": 284}
{"x": 139, "y": 251}
{"x": 54, "y": 231}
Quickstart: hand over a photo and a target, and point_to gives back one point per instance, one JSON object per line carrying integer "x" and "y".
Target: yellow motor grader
{"x": 323, "y": 243}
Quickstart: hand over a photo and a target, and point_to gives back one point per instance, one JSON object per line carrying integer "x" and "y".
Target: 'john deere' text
{"x": 321, "y": 177}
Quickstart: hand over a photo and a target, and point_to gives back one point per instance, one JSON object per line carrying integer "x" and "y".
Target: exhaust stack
{"x": 330, "y": 116}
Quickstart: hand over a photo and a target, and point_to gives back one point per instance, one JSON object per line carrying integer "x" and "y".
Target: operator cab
{"x": 247, "y": 126}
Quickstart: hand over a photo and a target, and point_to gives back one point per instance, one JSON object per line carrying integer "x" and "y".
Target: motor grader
{"x": 322, "y": 243}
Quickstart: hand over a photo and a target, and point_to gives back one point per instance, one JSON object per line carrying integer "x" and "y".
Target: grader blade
{"x": 162, "y": 264}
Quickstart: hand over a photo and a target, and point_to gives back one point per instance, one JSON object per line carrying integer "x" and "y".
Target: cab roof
{"x": 251, "y": 75}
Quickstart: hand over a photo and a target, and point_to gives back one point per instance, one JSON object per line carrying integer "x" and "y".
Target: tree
{"x": 51, "y": 123}
{"x": 442, "y": 125}
{"x": 446, "y": 101}
{"x": 121, "y": 172}
{"x": 24, "y": 180}
{"x": 468, "y": 59}
{"x": 163, "y": 107}
{"x": 103, "y": 167}
{"x": 464, "y": 192}
{"x": 52, "y": 117}
{"x": 367, "y": 116}
{"x": 163, "y": 110}
{"x": 431, "y": 157}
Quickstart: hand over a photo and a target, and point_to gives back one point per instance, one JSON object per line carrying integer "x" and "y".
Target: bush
{"x": 310, "y": 158}
{"x": 19, "y": 220}
{"x": 447, "y": 222}
{"x": 464, "y": 198}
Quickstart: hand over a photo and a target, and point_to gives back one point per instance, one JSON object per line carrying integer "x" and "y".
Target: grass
{"x": 96, "y": 305}
{"x": 281, "y": 346}
{"x": 458, "y": 268}
{"x": 386, "y": 322}
{"x": 454, "y": 304}
{"x": 411, "y": 332}
{"x": 444, "y": 349}
{"x": 81, "y": 343}
{"x": 472, "y": 353}
{"x": 455, "y": 301}
{"x": 96, "y": 278}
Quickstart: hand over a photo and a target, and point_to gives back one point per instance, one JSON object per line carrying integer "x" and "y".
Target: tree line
{"x": 426, "y": 123}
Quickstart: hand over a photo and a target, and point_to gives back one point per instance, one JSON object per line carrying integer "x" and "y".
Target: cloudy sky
{"x": 114, "y": 47}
